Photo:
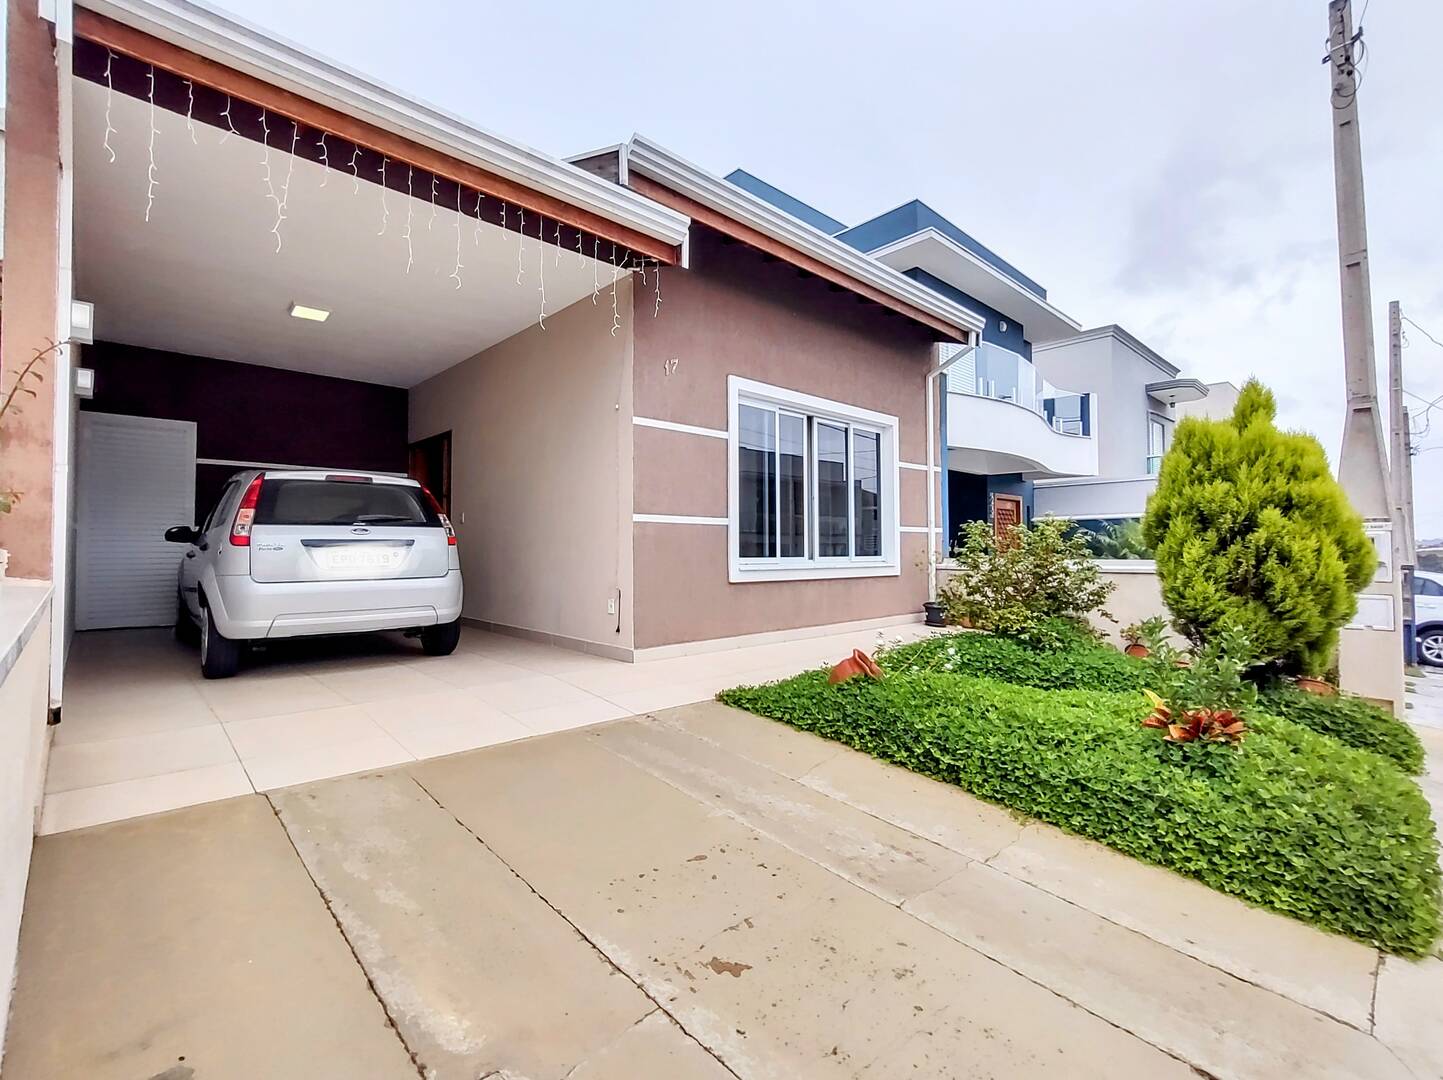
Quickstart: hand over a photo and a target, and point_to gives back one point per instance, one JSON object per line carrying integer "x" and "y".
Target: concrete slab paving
{"x": 891, "y": 862}
{"x": 1204, "y": 1016}
{"x": 1326, "y": 971}
{"x": 189, "y": 944}
{"x": 699, "y": 894}
{"x": 478, "y": 977}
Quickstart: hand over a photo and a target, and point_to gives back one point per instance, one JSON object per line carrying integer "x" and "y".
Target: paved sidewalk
{"x": 694, "y": 893}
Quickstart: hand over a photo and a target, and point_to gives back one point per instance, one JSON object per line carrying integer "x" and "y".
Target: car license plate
{"x": 360, "y": 557}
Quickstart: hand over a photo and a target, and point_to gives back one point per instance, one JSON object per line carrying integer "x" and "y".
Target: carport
{"x": 290, "y": 267}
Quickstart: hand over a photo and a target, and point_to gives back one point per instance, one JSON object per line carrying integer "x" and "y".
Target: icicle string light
{"x": 190, "y": 111}
{"x": 655, "y": 311}
{"x": 325, "y": 160}
{"x": 541, "y": 270}
{"x": 456, "y": 273}
{"x": 556, "y": 260}
{"x": 595, "y": 261}
{"x": 385, "y": 213}
{"x": 285, "y": 198}
{"x": 266, "y": 160}
{"x": 109, "y": 95}
{"x": 432, "y": 222}
{"x": 476, "y": 233}
{"x": 355, "y": 173}
{"x": 151, "y": 183}
{"x": 229, "y": 123}
{"x": 410, "y": 201}
{"x": 520, "y": 245}
{"x": 615, "y": 276}
{"x": 580, "y": 258}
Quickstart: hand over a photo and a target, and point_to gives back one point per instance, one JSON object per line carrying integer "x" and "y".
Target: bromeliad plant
{"x": 1203, "y": 698}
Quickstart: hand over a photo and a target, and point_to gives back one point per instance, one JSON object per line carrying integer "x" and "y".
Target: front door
{"x": 1006, "y": 513}
{"x": 429, "y": 463}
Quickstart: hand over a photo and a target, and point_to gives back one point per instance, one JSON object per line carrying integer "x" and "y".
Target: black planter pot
{"x": 936, "y": 615}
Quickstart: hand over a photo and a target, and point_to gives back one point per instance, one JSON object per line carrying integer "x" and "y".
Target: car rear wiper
{"x": 376, "y": 519}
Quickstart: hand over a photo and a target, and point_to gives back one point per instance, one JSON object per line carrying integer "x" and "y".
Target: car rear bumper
{"x": 245, "y": 609}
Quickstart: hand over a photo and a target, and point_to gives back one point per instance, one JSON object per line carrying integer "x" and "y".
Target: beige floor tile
{"x": 660, "y": 697}
{"x": 271, "y": 771}
{"x": 431, "y": 725}
{"x": 573, "y": 714}
{"x": 528, "y": 693}
{"x": 376, "y": 683}
{"x": 65, "y": 810}
{"x": 109, "y": 761}
{"x": 167, "y": 712}
{"x": 246, "y": 697}
{"x": 268, "y": 736}
{"x": 465, "y": 670}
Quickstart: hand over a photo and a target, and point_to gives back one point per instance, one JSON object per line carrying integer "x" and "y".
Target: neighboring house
{"x": 1222, "y": 398}
{"x": 1138, "y": 392}
{"x": 1004, "y": 425}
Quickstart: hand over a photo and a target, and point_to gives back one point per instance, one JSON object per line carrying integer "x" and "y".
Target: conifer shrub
{"x": 1251, "y": 530}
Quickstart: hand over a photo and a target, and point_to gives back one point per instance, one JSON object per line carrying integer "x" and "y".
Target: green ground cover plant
{"x": 1080, "y": 662}
{"x": 1287, "y": 819}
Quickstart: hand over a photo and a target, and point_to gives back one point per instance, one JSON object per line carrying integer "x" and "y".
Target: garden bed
{"x": 1290, "y": 819}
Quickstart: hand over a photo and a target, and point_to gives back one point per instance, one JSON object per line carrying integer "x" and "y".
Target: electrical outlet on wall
{"x": 611, "y": 605}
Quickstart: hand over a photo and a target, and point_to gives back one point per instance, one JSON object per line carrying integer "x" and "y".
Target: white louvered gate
{"x": 134, "y": 478}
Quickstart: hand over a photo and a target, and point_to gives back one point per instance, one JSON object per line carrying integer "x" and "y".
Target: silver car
{"x": 289, "y": 553}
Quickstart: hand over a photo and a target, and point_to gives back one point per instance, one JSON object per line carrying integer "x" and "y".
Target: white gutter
{"x": 648, "y": 159}
{"x": 939, "y": 371}
{"x": 237, "y": 44}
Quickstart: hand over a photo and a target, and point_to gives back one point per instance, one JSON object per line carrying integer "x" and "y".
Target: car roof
{"x": 329, "y": 474}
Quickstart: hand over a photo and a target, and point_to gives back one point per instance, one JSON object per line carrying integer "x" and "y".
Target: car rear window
{"x": 342, "y": 502}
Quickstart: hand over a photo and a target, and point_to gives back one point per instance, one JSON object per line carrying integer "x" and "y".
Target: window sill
{"x": 812, "y": 572}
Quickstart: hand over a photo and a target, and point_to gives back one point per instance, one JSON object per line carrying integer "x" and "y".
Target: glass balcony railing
{"x": 994, "y": 372}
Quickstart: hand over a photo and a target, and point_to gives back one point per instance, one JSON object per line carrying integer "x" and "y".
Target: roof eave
{"x": 651, "y": 160}
{"x": 238, "y": 44}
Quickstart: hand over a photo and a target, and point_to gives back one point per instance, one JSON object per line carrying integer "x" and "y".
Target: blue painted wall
{"x": 1014, "y": 337}
{"x": 915, "y": 216}
{"x": 782, "y": 201}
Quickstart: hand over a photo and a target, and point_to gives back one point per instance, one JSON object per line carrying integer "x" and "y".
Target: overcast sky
{"x": 1165, "y": 166}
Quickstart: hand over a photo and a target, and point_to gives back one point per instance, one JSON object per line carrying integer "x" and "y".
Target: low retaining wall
{"x": 24, "y": 743}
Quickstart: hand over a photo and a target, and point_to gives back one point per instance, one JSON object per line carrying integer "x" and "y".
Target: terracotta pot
{"x": 859, "y": 663}
{"x": 1138, "y": 650}
{"x": 1315, "y": 686}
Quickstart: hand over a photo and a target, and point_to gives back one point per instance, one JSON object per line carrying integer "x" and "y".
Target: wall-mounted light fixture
{"x": 314, "y": 314}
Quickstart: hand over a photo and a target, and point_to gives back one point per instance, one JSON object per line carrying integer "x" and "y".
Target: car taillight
{"x": 245, "y": 515}
{"x": 445, "y": 521}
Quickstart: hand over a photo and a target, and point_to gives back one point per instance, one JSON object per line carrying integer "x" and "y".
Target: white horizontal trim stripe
{"x": 919, "y": 528}
{"x": 918, "y": 467}
{"x": 677, "y": 519}
{"x": 685, "y": 429}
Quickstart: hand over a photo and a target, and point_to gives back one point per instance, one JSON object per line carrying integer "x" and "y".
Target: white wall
{"x": 1092, "y": 498}
{"x": 987, "y": 435}
{"x": 1108, "y": 366}
{"x": 541, "y": 473}
{"x": 24, "y": 745}
{"x": 1218, "y": 405}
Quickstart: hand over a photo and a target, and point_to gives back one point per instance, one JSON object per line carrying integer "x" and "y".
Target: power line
{"x": 1420, "y": 330}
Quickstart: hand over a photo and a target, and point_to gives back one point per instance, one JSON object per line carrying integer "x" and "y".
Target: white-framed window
{"x": 1156, "y": 444}
{"x": 812, "y": 486}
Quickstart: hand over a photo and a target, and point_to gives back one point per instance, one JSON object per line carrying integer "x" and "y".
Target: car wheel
{"x": 1430, "y": 647}
{"x": 442, "y": 639}
{"x": 186, "y": 631}
{"x": 219, "y": 655}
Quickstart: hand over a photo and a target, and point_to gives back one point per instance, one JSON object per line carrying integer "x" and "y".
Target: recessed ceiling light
{"x": 315, "y": 314}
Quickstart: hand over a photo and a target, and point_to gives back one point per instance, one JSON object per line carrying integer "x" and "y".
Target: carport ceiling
{"x": 203, "y": 275}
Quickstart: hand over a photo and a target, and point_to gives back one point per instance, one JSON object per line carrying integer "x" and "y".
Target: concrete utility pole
{"x": 1401, "y": 490}
{"x": 1370, "y": 654}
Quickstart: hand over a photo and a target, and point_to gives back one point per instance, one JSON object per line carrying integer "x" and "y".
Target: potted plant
{"x": 1141, "y": 637}
{"x": 936, "y": 613}
{"x": 1315, "y": 685}
{"x": 11, "y": 402}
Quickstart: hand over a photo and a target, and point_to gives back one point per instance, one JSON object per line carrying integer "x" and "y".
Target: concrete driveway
{"x": 693, "y": 893}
